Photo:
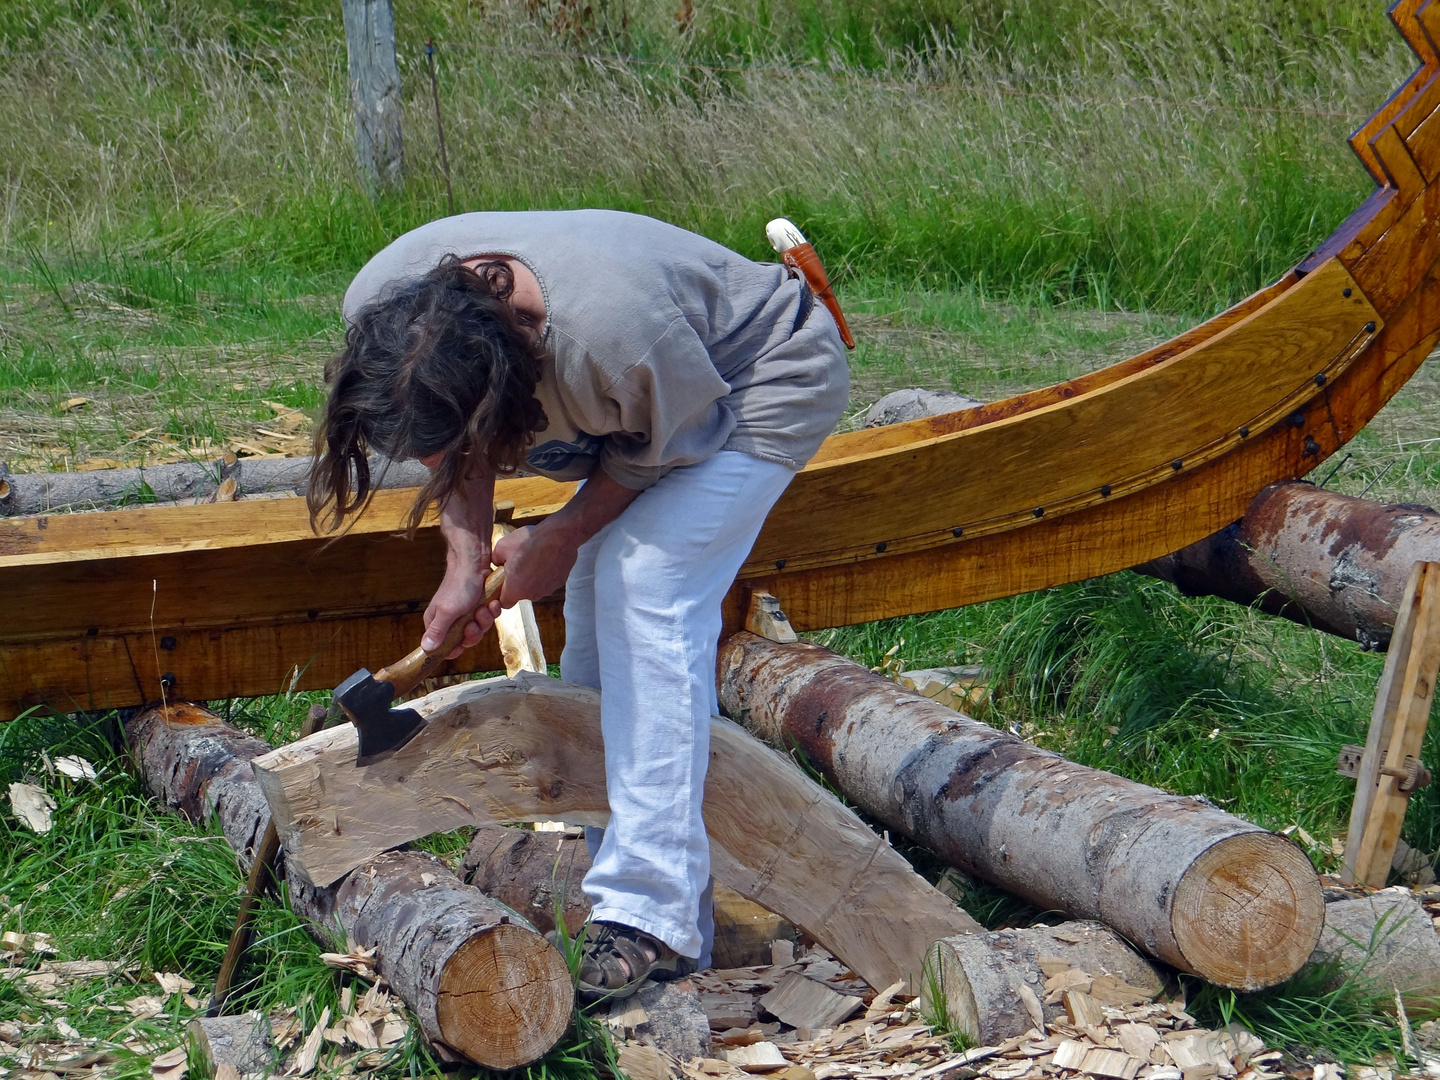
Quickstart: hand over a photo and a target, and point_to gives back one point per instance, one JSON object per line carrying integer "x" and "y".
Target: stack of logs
{"x": 1191, "y": 885}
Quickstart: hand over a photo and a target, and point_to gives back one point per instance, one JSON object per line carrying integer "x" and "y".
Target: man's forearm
{"x": 466, "y": 521}
{"x": 599, "y": 501}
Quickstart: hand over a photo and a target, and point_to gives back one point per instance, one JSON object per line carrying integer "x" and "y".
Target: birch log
{"x": 1196, "y": 887}
{"x": 478, "y": 978}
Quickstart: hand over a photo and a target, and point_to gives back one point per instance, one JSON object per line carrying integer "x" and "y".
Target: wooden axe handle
{"x": 404, "y": 675}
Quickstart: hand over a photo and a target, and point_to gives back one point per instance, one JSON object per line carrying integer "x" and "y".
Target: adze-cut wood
{"x": 366, "y": 698}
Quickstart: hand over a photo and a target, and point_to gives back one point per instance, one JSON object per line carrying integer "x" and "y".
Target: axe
{"x": 366, "y": 698}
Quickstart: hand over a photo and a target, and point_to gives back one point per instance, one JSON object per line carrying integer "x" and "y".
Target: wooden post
{"x": 374, "y": 90}
{"x": 1390, "y": 764}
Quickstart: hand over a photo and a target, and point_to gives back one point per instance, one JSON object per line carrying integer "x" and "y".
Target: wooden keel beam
{"x": 1198, "y": 888}
{"x": 478, "y": 978}
{"x": 529, "y": 749}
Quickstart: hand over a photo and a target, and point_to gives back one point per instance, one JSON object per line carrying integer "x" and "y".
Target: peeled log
{"x": 981, "y": 976}
{"x": 185, "y": 481}
{"x": 479, "y": 979}
{"x": 1322, "y": 559}
{"x": 1199, "y": 888}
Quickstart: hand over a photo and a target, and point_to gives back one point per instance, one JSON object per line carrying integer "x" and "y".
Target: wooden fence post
{"x": 374, "y": 91}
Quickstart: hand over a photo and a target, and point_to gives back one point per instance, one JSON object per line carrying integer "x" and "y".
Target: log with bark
{"x": 529, "y": 748}
{"x": 1316, "y": 557}
{"x": 479, "y": 979}
{"x": 186, "y": 481}
{"x": 1196, "y": 887}
{"x": 1001, "y": 984}
{"x": 531, "y": 871}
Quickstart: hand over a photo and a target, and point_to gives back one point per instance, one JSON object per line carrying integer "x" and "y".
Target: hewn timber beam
{"x": 530, "y": 749}
{"x": 1187, "y": 882}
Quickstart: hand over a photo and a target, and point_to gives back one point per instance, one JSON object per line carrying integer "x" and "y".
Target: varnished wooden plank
{"x": 1390, "y": 269}
{"x": 869, "y": 440}
{"x": 121, "y": 670}
{"x": 1136, "y": 432}
{"x": 1404, "y": 16}
{"x": 1110, "y": 537}
{"x": 1400, "y": 167}
{"x": 139, "y": 531}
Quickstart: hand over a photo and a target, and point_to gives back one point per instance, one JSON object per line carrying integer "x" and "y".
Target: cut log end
{"x": 496, "y": 979}
{"x": 1248, "y": 912}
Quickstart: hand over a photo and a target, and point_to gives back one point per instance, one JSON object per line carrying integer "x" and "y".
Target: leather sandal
{"x": 617, "y": 960}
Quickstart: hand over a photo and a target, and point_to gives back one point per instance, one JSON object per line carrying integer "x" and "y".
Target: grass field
{"x": 1006, "y": 194}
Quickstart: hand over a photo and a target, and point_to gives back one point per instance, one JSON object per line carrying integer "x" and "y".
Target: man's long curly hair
{"x": 437, "y": 365}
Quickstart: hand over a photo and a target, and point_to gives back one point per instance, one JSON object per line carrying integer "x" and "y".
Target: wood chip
{"x": 884, "y": 1001}
{"x": 77, "y": 768}
{"x": 1137, "y": 1040}
{"x": 33, "y": 806}
{"x": 800, "y": 1001}
{"x": 1069, "y": 979}
{"x": 172, "y": 983}
{"x": 728, "y": 1010}
{"x": 1083, "y": 1010}
{"x": 757, "y": 1058}
{"x": 1109, "y": 990}
{"x": 1031, "y": 1001}
{"x": 782, "y": 952}
{"x": 170, "y": 1065}
{"x": 226, "y": 1071}
{"x": 1070, "y": 1054}
{"x": 640, "y": 1062}
{"x": 1111, "y": 1063}
{"x": 304, "y": 1062}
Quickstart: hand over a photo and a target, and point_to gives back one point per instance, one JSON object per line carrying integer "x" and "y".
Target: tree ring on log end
{"x": 506, "y": 997}
{"x": 1248, "y": 912}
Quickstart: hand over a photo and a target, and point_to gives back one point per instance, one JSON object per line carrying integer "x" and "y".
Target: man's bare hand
{"x": 465, "y": 523}
{"x": 537, "y": 561}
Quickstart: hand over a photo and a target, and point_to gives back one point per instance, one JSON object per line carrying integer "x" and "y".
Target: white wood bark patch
{"x": 1195, "y": 886}
{"x": 529, "y": 749}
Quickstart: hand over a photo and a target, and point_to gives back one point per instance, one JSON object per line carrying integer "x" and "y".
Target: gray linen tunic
{"x": 665, "y": 347}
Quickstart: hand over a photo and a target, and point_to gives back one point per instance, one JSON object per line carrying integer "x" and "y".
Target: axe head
{"x": 383, "y": 730}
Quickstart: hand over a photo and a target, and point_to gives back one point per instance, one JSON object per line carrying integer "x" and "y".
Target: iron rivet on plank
{"x": 313, "y": 613}
{"x": 957, "y": 532}
{"x": 94, "y": 631}
{"x": 1296, "y": 419}
{"x": 1244, "y": 432}
{"x": 880, "y": 547}
{"x": 1039, "y": 511}
{"x": 1370, "y": 327}
{"x": 1105, "y": 490}
{"x": 779, "y": 564}
{"x": 168, "y": 642}
{"x": 1320, "y": 379}
{"x": 1177, "y": 464}
{"x": 167, "y": 681}
{"x": 1347, "y": 292}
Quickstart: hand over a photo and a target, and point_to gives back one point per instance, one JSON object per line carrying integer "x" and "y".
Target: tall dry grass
{"x": 1175, "y": 168}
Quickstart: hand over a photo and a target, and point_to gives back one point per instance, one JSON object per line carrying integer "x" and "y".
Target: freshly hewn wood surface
{"x": 374, "y": 91}
{"x": 517, "y": 631}
{"x": 1196, "y": 887}
{"x": 981, "y": 976}
{"x": 1397, "y": 730}
{"x": 478, "y": 978}
{"x": 1121, "y": 438}
{"x": 529, "y": 749}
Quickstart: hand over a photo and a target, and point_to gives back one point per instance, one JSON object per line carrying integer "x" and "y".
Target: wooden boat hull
{"x": 1083, "y": 478}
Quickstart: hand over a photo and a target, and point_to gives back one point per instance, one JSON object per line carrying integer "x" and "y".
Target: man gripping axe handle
{"x": 800, "y": 256}
{"x": 366, "y": 698}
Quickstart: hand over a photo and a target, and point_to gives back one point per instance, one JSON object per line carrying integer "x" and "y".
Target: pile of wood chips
{"x": 807, "y": 1018}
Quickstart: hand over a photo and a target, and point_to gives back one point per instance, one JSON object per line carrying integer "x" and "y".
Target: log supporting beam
{"x": 529, "y": 749}
{"x": 479, "y": 979}
{"x": 1192, "y": 885}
